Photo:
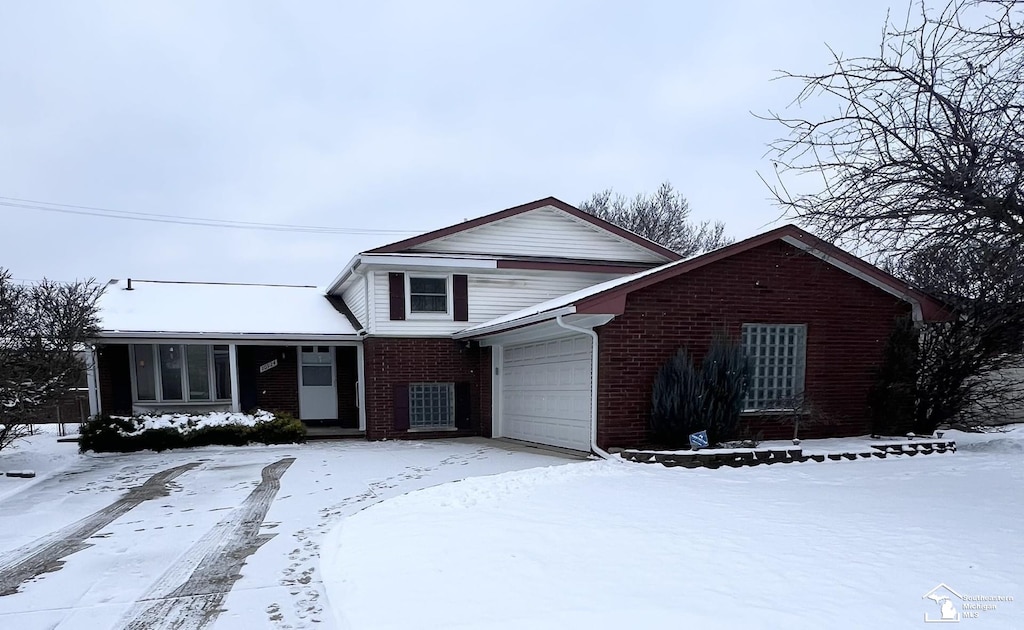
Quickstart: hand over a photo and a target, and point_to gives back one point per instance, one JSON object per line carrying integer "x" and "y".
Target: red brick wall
{"x": 277, "y": 389}
{"x": 395, "y": 361}
{"x": 848, "y": 322}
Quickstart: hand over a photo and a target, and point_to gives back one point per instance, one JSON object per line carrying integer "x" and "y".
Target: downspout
{"x": 594, "y": 448}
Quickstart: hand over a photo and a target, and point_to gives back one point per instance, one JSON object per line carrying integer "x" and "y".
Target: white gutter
{"x": 593, "y": 385}
{"x": 484, "y": 329}
{"x": 340, "y": 279}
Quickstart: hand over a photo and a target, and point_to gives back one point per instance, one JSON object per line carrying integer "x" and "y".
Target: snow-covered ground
{"x": 851, "y": 544}
{"x": 215, "y": 537}
{"x": 40, "y": 453}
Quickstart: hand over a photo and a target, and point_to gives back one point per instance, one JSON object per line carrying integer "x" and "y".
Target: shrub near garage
{"x": 159, "y": 433}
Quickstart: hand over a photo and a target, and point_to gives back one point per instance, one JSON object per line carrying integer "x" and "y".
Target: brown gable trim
{"x": 614, "y": 298}
{"x": 567, "y": 266}
{"x": 527, "y": 207}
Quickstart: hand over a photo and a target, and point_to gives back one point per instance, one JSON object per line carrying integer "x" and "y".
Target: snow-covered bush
{"x": 179, "y": 430}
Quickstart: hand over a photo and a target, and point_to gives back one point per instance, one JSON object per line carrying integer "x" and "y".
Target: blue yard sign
{"x": 699, "y": 440}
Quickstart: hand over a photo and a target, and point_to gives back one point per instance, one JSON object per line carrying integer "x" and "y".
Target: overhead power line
{"x": 64, "y": 208}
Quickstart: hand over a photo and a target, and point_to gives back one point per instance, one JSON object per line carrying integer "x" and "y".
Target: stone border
{"x": 781, "y": 455}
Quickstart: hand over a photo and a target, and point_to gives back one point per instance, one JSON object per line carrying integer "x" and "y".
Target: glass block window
{"x": 428, "y": 295}
{"x": 777, "y": 354}
{"x": 432, "y": 406}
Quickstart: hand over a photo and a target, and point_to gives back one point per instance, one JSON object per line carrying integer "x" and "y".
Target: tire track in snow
{"x": 188, "y": 596}
{"x": 46, "y": 554}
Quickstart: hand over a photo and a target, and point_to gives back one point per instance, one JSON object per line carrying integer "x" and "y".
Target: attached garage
{"x": 546, "y": 393}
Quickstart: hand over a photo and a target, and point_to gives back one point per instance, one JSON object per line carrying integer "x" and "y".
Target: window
{"x": 777, "y": 361}
{"x": 181, "y": 372}
{"x": 432, "y": 406}
{"x": 428, "y": 295}
{"x": 317, "y": 370}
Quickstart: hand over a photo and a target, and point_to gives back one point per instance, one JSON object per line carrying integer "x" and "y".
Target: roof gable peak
{"x": 558, "y": 205}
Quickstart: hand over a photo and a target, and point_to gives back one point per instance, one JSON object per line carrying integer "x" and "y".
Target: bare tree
{"x": 662, "y": 217}
{"x": 926, "y": 146}
{"x": 922, "y": 163}
{"x": 968, "y": 366}
{"x": 43, "y": 328}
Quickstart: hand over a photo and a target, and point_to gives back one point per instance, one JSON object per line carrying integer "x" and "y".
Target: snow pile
{"x": 1003, "y": 440}
{"x": 186, "y": 423}
{"x": 610, "y": 545}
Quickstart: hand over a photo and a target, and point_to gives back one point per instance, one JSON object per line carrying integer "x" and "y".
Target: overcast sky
{"x": 378, "y": 116}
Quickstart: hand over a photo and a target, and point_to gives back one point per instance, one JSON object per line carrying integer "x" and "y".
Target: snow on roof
{"x": 567, "y": 300}
{"x": 192, "y": 307}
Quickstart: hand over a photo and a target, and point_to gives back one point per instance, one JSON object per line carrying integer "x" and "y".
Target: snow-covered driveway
{"x": 206, "y": 538}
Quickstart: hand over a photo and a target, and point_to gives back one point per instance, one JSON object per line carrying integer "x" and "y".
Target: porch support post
{"x": 236, "y": 404}
{"x": 92, "y": 380}
{"x": 361, "y": 387}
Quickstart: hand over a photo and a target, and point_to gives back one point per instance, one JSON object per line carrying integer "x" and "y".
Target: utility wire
{"x": 46, "y": 206}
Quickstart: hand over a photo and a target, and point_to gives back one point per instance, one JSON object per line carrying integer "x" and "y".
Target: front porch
{"x": 317, "y": 383}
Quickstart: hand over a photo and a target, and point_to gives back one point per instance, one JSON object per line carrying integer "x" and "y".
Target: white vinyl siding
{"x": 491, "y": 295}
{"x": 543, "y": 232}
{"x": 777, "y": 354}
{"x": 355, "y": 299}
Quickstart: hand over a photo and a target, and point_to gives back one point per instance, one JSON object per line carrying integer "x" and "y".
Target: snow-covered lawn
{"x": 851, "y": 544}
{"x": 148, "y": 540}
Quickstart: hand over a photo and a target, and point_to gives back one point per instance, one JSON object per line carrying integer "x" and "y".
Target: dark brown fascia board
{"x": 613, "y": 300}
{"x": 526, "y": 207}
{"x": 339, "y": 305}
{"x": 538, "y": 265}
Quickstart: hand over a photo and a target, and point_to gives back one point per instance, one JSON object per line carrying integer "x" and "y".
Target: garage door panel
{"x": 546, "y": 392}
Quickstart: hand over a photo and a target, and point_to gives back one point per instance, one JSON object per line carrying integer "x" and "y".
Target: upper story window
{"x": 428, "y": 294}
{"x": 778, "y": 358}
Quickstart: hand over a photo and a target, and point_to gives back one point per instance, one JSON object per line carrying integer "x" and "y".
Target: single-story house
{"x": 539, "y": 323}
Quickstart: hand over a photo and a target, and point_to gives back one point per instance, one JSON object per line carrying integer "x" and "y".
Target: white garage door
{"x": 545, "y": 394}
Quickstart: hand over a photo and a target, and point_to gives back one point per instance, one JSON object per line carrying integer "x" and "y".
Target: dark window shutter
{"x": 396, "y": 294}
{"x": 463, "y": 406}
{"x": 460, "y": 293}
{"x": 401, "y": 408}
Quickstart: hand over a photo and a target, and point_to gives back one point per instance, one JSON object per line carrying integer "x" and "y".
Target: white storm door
{"x": 318, "y": 383}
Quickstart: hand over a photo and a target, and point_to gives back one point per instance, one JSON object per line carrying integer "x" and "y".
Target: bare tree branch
{"x": 927, "y": 144}
{"x": 662, "y": 217}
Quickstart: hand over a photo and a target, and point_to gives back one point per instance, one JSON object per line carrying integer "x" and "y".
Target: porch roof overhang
{"x": 144, "y": 336}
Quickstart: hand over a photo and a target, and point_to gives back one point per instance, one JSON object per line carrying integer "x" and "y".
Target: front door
{"x": 318, "y": 383}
